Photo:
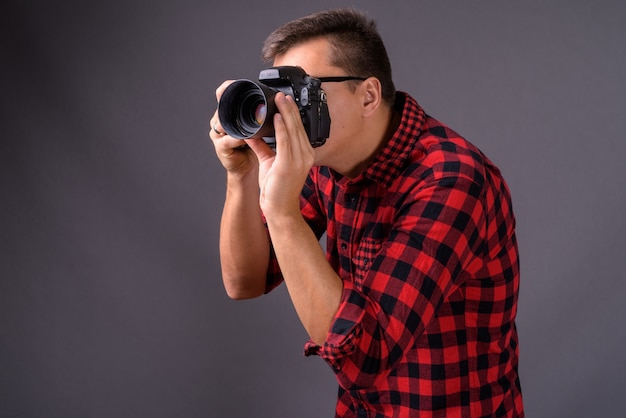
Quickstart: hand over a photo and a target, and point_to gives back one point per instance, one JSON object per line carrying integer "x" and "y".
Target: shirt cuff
{"x": 345, "y": 331}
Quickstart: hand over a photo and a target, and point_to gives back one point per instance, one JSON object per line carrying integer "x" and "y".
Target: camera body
{"x": 246, "y": 108}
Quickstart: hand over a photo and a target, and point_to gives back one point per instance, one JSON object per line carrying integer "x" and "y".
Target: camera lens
{"x": 243, "y": 110}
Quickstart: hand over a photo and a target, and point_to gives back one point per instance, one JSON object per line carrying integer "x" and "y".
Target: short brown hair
{"x": 356, "y": 44}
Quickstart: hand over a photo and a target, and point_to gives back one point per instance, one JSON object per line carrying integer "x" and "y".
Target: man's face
{"x": 313, "y": 57}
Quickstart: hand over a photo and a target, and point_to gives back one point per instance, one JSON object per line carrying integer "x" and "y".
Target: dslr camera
{"x": 246, "y": 108}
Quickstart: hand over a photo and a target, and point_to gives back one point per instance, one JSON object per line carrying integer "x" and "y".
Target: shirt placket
{"x": 349, "y": 201}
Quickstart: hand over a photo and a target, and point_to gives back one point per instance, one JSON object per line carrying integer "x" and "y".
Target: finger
{"x": 216, "y": 128}
{"x": 217, "y": 134}
{"x": 289, "y": 111}
{"x": 260, "y": 148}
{"x": 291, "y": 124}
{"x": 285, "y": 121}
{"x": 221, "y": 88}
{"x": 283, "y": 145}
{"x": 286, "y": 138}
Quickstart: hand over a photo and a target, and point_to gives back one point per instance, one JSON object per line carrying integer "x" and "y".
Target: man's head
{"x": 356, "y": 46}
{"x": 342, "y": 43}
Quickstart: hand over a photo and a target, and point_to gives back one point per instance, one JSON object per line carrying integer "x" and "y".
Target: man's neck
{"x": 375, "y": 136}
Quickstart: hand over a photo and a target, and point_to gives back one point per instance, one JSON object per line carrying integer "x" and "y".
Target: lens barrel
{"x": 246, "y": 110}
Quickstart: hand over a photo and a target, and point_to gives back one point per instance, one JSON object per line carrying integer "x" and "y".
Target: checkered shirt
{"x": 424, "y": 242}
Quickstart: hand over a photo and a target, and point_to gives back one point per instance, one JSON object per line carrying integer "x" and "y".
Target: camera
{"x": 246, "y": 108}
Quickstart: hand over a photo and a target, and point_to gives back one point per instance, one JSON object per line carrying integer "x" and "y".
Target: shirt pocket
{"x": 364, "y": 259}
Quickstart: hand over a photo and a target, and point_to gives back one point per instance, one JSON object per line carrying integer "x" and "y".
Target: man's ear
{"x": 372, "y": 95}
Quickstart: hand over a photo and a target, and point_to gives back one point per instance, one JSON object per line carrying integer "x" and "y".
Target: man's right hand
{"x": 234, "y": 154}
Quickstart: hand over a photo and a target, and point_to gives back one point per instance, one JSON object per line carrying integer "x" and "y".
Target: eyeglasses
{"x": 339, "y": 79}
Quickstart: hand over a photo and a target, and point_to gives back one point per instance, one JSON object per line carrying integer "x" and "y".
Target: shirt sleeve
{"x": 433, "y": 245}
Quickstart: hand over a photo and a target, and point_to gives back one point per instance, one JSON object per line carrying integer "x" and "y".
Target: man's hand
{"x": 236, "y": 158}
{"x": 283, "y": 173}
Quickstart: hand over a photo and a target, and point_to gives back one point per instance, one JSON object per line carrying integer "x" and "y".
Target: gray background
{"x": 111, "y": 302}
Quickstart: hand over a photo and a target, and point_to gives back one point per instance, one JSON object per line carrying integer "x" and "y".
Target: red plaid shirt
{"x": 424, "y": 241}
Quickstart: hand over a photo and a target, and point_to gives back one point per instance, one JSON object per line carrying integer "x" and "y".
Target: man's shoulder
{"x": 445, "y": 153}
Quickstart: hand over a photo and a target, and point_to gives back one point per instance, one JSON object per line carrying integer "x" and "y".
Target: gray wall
{"x": 111, "y": 303}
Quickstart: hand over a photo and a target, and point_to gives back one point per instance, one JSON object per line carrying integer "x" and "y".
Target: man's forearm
{"x": 244, "y": 244}
{"x": 314, "y": 287}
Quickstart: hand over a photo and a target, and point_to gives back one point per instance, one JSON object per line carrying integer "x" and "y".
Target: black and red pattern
{"x": 424, "y": 241}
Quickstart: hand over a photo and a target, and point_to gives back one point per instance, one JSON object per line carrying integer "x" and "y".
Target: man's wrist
{"x": 284, "y": 222}
{"x": 245, "y": 178}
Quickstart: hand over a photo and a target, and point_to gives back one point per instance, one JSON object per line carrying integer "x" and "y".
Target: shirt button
{"x": 344, "y": 246}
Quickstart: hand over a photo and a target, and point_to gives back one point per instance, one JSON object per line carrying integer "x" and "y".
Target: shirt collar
{"x": 391, "y": 159}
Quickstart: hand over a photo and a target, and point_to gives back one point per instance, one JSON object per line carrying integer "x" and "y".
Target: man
{"x": 413, "y": 306}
